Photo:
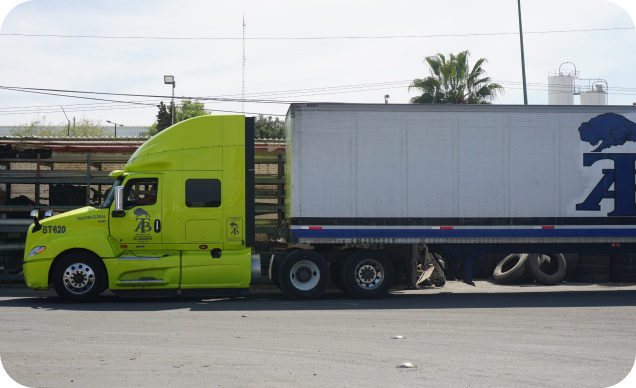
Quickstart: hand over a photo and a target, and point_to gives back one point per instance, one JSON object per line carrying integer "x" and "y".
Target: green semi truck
{"x": 367, "y": 187}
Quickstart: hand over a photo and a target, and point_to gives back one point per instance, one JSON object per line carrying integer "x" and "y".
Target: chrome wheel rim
{"x": 78, "y": 278}
{"x": 369, "y": 274}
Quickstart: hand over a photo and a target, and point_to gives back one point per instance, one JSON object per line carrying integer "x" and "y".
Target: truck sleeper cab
{"x": 175, "y": 222}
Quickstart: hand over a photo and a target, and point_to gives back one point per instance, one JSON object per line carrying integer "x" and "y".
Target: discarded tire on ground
{"x": 592, "y": 269}
{"x": 594, "y": 259}
{"x": 511, "y": 268}
{"x": 547, "y": 268}
{"x": 624, "y": 259}
{"x": 591, "y": 277}
{"x": 623, "y": 278}
{"x": 572, "y": 261}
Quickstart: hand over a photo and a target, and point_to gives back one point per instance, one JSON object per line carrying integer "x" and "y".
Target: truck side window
{"x": 203, "y": 193}
{"x": 140, "y": 192}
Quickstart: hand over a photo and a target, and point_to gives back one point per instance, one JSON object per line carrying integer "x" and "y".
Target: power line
{"x": 310, "y": 37}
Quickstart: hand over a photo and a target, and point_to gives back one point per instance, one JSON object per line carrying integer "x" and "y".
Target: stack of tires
{"x": 592, "y": 269}
{"x": 551, "y": 268}
{"x": 623, "y": 268}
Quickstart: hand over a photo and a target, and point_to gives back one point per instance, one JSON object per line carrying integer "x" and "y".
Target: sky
{"x": 290, "y": 51}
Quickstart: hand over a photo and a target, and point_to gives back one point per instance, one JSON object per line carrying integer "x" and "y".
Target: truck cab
{"x": 175, "y": 223}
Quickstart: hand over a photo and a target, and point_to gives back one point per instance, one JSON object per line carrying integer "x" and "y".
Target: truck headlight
{"x": 35, "y": 251}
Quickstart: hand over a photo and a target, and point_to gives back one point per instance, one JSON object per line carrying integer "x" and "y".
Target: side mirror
{"x": 36, "y": 215}
{"x": 118, "y": 206}
{"x": 48, "y": 213}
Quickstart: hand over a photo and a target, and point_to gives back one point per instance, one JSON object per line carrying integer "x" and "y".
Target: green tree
{"x": 164, "y": 118}
{"x": 453, "y": 81}
{"x": 188, "y": 109}
{"x": 38, "y": 127}
{"x": 89, "y": 128}
{"x": 84, "y": 127}
{"x": 269, "y": 128}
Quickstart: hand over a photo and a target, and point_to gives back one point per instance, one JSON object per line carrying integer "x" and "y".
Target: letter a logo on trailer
{"x": 605, "y": 131}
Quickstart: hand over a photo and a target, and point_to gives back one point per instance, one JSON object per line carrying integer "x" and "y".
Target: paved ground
{"x": 490, "y": 335}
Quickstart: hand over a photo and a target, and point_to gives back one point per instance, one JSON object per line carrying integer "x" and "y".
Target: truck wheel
{"x": 79, "y": 277}
{"x": 550, "y": 272}
{"x": 303, "y": 275}
{"x": 591, "y": 277}
{"x": 368, "y": 274}
{"x": 511, "y": 268}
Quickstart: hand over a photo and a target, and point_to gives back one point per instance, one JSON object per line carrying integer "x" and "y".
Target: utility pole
{"x": 68, "y": 127}
{"x": 523, "y": 61}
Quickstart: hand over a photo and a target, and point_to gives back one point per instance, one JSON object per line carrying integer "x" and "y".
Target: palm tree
{"x": 453, "y": 82}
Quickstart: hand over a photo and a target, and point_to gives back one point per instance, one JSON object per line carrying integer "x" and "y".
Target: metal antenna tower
{"x": 243, "y": 86}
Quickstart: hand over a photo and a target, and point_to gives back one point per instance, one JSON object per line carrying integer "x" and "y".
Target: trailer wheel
{"x": 551, "y": 271}
{"x": 368, "y": 274}
{"x": 303, "y": 275}
{"x": 79, "y": 277}
{"x": 511, "y": 268}
{"x": 591, "y": 277}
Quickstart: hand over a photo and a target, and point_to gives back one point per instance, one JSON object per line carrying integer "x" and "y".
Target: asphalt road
{"x": 460, "y": 336}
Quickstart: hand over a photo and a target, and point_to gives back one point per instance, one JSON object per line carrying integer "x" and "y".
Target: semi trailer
{"x": 367, "y": 188}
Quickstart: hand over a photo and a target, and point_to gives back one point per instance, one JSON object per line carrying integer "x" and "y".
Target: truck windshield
{"x": 111, "y": 194}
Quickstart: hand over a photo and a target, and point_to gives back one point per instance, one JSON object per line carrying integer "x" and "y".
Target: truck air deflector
{"x": 250, "y": 182}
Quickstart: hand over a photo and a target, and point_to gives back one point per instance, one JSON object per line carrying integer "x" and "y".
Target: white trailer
{"x": 460, "y": 174}
{"x": 482, "y": 177}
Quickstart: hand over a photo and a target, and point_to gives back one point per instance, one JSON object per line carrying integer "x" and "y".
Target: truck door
{"x": 140, "y": 226}
{"x": 204, "y": 262}
{"x": 145, "y": 262}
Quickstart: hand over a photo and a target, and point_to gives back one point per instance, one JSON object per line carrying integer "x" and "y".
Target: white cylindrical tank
{"x": 595, "y": 96}
{"x": 561, "y": 89}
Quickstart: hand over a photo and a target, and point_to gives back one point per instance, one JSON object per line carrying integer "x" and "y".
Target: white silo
{"x": 561, "y": 86}
{"x": 595, "y": 95}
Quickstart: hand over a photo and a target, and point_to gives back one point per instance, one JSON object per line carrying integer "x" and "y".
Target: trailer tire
{"x": 623, "y": 278}
{"x": 624, "y": 259}
{"x": 79, "y": 277}
{"x": 303, "y": 275}
{"x": 591, "y": 277}
{"x": 595, "y": 259}
{"x": 623, "y": 269}
{"x": 549, "y": 271}
{"x": 368, "y": 274}
{"x": 572, "y": 260}
{"x": 511, "y": 268}
{"x": 592, "y": 269}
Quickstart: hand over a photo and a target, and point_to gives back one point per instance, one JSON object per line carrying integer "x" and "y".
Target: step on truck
{"x": 368, "y": 189}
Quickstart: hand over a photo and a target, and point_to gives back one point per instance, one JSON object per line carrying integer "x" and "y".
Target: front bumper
{"x": 36, "y": 273}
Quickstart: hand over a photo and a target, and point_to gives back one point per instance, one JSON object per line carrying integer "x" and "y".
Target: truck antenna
{"x": 243, "y": 86}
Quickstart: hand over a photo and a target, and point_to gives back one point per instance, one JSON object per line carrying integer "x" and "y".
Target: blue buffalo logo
{"x": 608, "y": 129}
{"x": 139, "y": 212}
{"x": 605, "y": 131}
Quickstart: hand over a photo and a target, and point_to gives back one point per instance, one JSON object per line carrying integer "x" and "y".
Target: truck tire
{"x": 624, "y": 259}
{"x": 592, "y": 269}
{"x": 490, "y": 264}
{"x": 595, "y": 259}
{"x": 591, "y": 277}
{"x": 551, "y": 271}
{"x": 572, "y": 260}
{"x": 79, "y": 277}
{"x": 303, "y": 275}
{"x": 511, "y": 268}
{"x": 624, "y": 269}
{"x": 368, "y": 274}
{"x": 623, "y": 278}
